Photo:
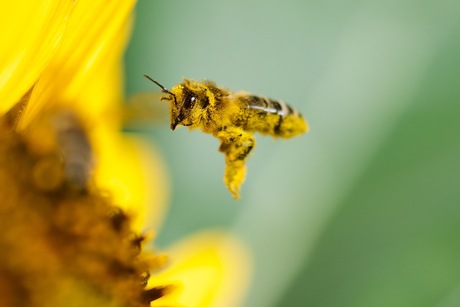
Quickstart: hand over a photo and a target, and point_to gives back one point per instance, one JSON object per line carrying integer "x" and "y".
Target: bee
{"x": 232, "y": 117}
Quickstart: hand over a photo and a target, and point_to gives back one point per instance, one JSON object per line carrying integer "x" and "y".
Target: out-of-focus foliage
{"x": 393, "y": 241}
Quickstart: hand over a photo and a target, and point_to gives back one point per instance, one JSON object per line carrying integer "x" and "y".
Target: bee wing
{"x": 144, "y": 109}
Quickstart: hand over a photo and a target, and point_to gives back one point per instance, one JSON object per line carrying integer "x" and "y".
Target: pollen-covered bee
{"x": 232, "y": 117}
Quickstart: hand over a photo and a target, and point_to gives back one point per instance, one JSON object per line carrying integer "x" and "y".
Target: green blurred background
{"x": 364, "y": 210}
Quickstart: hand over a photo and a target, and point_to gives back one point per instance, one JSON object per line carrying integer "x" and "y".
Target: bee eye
{"x": 189, "y": 102}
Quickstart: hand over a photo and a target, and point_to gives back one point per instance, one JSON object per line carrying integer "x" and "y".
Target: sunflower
{"x": 74, "y": 189}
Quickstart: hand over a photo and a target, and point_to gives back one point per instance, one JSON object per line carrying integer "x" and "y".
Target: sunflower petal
{"x": 208, "y": 269}
{"x": 33, "y": 32}
{"x": 93, "y": 41}
{"x": 133, "y": 175}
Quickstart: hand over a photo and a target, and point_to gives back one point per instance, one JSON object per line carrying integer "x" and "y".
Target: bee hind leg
{"x": 236, "y": 144}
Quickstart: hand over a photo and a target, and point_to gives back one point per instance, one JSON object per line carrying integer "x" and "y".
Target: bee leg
{"x": 236, "y": 144}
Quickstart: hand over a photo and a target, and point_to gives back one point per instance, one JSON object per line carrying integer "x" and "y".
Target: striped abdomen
{"x": 274, "y": 117}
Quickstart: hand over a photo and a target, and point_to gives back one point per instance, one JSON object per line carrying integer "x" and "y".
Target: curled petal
{"x": 207, "y": 269}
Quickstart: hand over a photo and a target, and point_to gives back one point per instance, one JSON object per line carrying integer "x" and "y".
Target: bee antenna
{"x": 164, "y": 90}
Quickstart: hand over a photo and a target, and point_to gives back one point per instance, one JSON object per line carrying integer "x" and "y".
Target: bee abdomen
{"x": 280, "y": 118}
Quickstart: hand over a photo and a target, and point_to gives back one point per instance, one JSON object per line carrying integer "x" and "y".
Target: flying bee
{"x": 232, "y": 117}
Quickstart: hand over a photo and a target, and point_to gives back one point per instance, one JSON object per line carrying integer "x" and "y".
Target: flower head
{"x": 74, "y": 189}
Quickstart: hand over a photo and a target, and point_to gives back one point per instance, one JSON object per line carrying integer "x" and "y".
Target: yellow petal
{"x": 31, "y": 34}
{"x": 93, "y": 41}
{"x": 134, "y": 176}
{"x": 208, "y": 269}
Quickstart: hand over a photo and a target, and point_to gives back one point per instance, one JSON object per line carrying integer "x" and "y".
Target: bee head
{"x": 187, "y": 100}
{"x": 171, "y": 97}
